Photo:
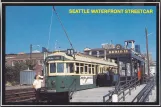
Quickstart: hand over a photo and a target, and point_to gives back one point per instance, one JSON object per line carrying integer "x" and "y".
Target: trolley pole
{"x": 146, "y": 32}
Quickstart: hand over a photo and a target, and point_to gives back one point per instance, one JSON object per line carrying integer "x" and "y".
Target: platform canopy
{"x": 124, "y": 55}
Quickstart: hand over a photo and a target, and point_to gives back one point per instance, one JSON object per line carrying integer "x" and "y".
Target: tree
{"x": 12, "y": 73}
{"x": 31, "y": 64}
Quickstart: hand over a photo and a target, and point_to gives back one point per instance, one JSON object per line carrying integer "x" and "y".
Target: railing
{"x": 72, "y": 89}
{"x": 144, "y": 93}
{"x": 119, "y": 88}
{"x": 129, "y": 86}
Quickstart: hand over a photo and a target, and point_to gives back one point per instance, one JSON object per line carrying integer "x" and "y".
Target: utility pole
{"x": 146, "y": 32}
{"x": 30, "y": 51}
{"x": 30, "y": 55}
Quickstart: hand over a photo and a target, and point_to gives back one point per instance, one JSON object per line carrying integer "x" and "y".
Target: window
{"x": 70, "y": 67}
{"x": 38, "y": 62}
{"x": 101, "y": 52}
{"x": 60, "y": 67}
{"x": 13, "y": 63}
{"x": 92, "y": 69}
{"x": 89, "y": 68}
{"x": 94, "y": 53}
{"x": 81, "y": 64}
{"x": 86, "y": 68}
{"x": 77, "y": 68}
{"x": 81, "y": 68}
{"x": 34, "y": 61}
{"x": 52, "y": 68}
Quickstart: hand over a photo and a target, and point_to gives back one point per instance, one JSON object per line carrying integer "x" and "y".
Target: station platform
{"x": 96, "y": 94}
{"x": 91, "y": 95}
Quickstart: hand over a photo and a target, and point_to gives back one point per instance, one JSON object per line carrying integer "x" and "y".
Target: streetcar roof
{"x": 86, "y": 58}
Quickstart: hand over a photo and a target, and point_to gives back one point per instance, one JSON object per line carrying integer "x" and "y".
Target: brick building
{"x": 99, "y": 52}
{"x": 37, "y": 58}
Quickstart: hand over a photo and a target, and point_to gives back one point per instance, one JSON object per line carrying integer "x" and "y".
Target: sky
{"x": 27, "y": 25}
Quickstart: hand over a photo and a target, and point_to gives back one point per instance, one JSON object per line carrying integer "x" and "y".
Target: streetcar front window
{"x": 52, "y": 68}
{"x": 60, "y": 67}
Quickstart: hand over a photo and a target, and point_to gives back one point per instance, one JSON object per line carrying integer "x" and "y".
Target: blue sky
{"x": 27, "y": 25}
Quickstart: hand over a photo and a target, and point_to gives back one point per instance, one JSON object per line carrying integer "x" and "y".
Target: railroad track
{"x": 20, "y": 95}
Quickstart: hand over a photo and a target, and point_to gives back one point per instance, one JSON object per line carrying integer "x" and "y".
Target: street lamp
{"x": 31, "y": 46}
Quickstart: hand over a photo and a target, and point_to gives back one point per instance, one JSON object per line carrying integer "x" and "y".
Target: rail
{"x": 72, "y": 89}
{"x": 129, "y": 86}
{"x": 119, "y": 87}
{"x": 20, "y": 95}
{"x": 144, "y": 93}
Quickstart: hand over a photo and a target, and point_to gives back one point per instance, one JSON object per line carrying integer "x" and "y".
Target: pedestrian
{"x": 37, "y": 86}
{"x": 139, "y": 75}
{"x": 108, "y": 73}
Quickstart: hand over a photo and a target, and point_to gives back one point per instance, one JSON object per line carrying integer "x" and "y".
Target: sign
{"x": 50, "y": 58}
{"x": 70, "y": 52}
{"x": 118, "y": 51}
{"x": 107, "y": 46}
{"x": 86, "y": 80}
{"x": 118, "y": 46}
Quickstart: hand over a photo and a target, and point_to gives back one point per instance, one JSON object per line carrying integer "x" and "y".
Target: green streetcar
{"x": 65, "y": 73}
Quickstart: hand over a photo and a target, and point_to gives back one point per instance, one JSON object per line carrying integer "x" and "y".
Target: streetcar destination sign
{"x": 49, "y": 58}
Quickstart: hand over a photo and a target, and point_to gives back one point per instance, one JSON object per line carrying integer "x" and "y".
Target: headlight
{"x": 52, "y": 82}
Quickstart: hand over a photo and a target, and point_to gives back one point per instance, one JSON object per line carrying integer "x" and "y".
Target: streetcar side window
{"x": 70, "y": 67}
{"x": 81, "y": 68}
{"x": 86, "y": 69}
{"x": 60, "y": 67}
{"x": 52, "y": 68}
{"x": 89, "y": 68}
{"x": 93, "y": 69}
{"x": 77, "y": 68}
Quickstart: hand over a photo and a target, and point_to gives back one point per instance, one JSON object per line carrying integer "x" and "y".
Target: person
{"x": 108, "y": 73}
{"x": 139, "y": 75}
{"x": 37, "y": 86}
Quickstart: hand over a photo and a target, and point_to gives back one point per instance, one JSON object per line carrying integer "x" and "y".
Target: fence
{"x": 146, "y": 91}
{"x": 126, "y": 88}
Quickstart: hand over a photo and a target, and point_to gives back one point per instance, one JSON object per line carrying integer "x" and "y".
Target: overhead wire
{"x": 64, "y": 30}
{"x": 63, "y": 27}
{"x": 50, "y": 30}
